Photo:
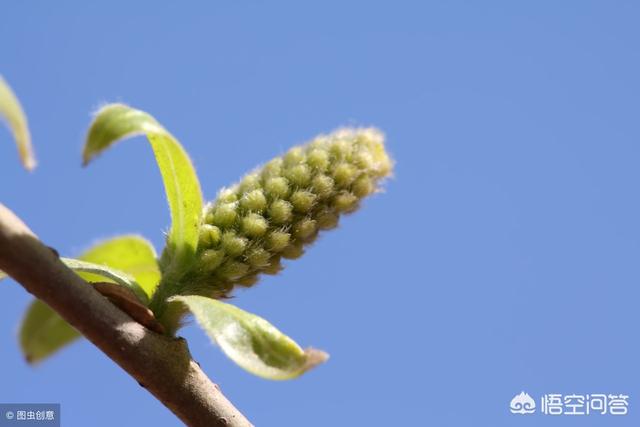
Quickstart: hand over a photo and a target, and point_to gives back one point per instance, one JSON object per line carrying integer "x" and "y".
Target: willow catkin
{"x": 277, "y": 210}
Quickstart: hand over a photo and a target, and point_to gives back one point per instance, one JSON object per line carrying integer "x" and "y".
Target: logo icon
{"x": 522, "y": 404}
{"x": 9, "y": 415}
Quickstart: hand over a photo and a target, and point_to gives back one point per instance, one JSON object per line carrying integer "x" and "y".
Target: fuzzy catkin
{"x": 277, "y": 210}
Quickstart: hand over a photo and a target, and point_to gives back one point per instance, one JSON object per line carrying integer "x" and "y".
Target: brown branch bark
{"x": 161, "y": 364}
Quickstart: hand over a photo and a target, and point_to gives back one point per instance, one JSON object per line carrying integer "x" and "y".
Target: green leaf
{"x": 130, "y": 254}
{"x": 43, "y": 332}
{"x": 11, "y": 111}
{"x": 108, "y": 273}
{"x": 115, "y": 122}
{"x": 250, "y": 341}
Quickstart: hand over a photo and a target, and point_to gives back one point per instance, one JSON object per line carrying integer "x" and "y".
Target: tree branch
{"x": 161, "y": 364}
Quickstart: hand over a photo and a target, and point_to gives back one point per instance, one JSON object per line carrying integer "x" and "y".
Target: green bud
{"x": 209, "y": 235}
{"x": 254, "y": 201}
{"x": 304, "y": 228}
{"x": 277, "y": 241}
{"x": 249, "y": 183}
{"x": 254, "y": 225}
{"x": 299, "y": 175}
{"x": 322, "y": 185}
{"x": 211, "y": 259}
{"x": 302, "y": 201}
{"x": 276, "y": 187}
{"x": 340, "y": 149}
{"x": 276, "y": 212}
{"x": 345, "y": 202}
{"x": 272, "y": 168}
{"x": 294, "y": 156}
{"x": 232, "y": 244}
{"x": 258, "y": 257}
{"x": 280, "y": 212}
{"x": 232, "y": 270}
{"x": 293, "y": 251}
{"x": 248, "y": 281}
{"x": 344, "y": 174}
{"x": 327, "y": 219}
{"x": 363, "y": 160}
{"x": 227, "y": 195}
{"x": 318, "y": 159}
{"x": 363, "y": 186}
{"x": 274, "y": 267}
{"x": 223, "y": 215}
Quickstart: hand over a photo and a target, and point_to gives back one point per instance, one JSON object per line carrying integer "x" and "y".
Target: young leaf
{"x": 131, "y": 254}
{"x": 250, "y": 341}
{"x": 11, "y": 112}
{"x": 43, "y": 331}
{"x": 106, "y": 272}
{"x": 115, "y": 122}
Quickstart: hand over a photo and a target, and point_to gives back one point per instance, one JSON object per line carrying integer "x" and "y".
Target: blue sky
{"x": 502, "y": 257}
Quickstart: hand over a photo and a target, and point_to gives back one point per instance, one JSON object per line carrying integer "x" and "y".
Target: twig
{"x": 161, "y": 364}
